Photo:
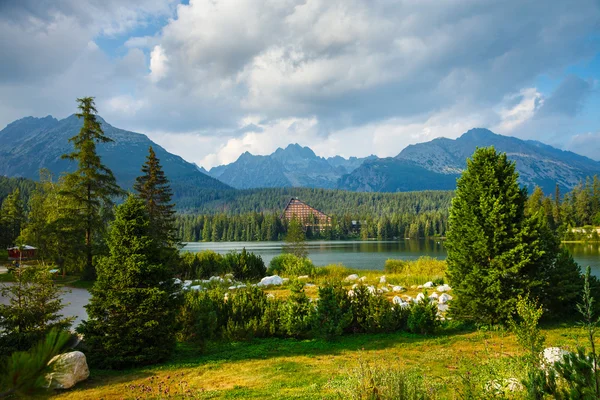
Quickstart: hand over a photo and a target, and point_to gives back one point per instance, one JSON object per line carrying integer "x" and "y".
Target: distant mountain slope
{"x": 29, "y": 144}
{"x": 294, "y": 166}
{"x": 537, "y": 164}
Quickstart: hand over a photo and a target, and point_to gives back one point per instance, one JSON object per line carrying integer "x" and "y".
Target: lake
{"x": 372, "y": 254}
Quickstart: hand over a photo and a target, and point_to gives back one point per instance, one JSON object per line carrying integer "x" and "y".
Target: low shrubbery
{"x": 249, "y": 312}
{"x": 290, "y": 265}
{"x": 207, "y": 263}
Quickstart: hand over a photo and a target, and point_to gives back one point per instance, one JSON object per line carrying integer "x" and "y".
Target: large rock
{"x": 270, "y": 280}
{"x": 68, "y": 369}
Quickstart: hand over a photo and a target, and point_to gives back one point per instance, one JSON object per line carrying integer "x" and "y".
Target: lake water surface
{"x": 372, "y": 254}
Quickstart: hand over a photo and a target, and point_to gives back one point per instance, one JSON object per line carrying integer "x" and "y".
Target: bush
{"x": 290, "y": 265}
{"x": 333, "y": 313}
{"x": 246, "y": 308}
{"x": 394, "y": 266}
{"x": 373, "y": 313}
{"x": 423, "y": 318}
{"x": 201, "y": 265}
{"x": 244, "y": 265}
{"x": 296, "y": 312}
{"x": 202, "y": 316}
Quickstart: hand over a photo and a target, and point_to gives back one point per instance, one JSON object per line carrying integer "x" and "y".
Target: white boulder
{"x": 433, "y": 296}
{"x": 196, "y": 287}
{"x": 442, "y": 307}
{"x": 310, "y": 285}
{"x": 397, "y": 300}
{"x": 363, "y": 279}
{"x": 301, "y": 277}
{"x": 398, "y": 289}
{"x": 382, "y": 279}
{"x": 428, "y": 285}
{"x": 371, "y": 289}
{"x": 351, "y": 293}
{"x": 444, "y": 298}
{"x": 270, "y": 280}
{"x": 420, "y": 297}
{"x": 177, "y": 281}
{"x": 352, "y": 277}
{"x": 216, "y": 279}
{"x": 384, "y": 289}
{"x": 68, "y": 369}
{"x": 444, "y": 288}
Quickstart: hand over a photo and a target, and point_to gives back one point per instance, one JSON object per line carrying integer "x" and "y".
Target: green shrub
{"x": 246, "y": 308}
{"x": 394, "y": 266}
{"x": 373, "y": 313}
{"x": 201, "y": 265}
{"x": 423, "y": 318}
{"x": 333, "y": 314}
{"x": 202, "y": 316}
{"x": 290, "y": 265}
{"x": 296, "y": 312}
{"x": 244, "y": 265}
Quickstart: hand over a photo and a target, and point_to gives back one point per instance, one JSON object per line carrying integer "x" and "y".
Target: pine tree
{"x": 133, "y": 306}
{"x": 12, "y": 216}
{"x": 92, "y": 186}
{"x": 153, "y": 187}
{"x": 492, "y": 249}
{"x": 33, "y": 309}
{"x": 295, "y": 241}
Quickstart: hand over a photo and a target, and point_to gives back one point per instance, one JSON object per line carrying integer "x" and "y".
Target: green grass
{"x": 315, "y": 369}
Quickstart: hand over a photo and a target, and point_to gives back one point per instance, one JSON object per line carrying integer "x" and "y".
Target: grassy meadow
{"x": 315, "y": 369}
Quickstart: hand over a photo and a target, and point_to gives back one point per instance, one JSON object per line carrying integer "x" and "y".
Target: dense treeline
{"x": 8, "y": 185}
{"x": 333, "y": 202}
{"x": 270, "y": 226}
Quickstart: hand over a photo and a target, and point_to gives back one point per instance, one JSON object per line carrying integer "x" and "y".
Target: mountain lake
{"x": 372, "y": 254}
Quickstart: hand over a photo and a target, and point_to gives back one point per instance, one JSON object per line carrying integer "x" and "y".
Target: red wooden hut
{"x": 21, "y": 253}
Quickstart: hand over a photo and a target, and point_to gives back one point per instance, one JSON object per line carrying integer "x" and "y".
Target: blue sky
{"x": 210, "y": 80}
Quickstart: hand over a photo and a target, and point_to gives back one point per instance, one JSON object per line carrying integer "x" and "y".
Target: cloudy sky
{"x": 210, "y": 79}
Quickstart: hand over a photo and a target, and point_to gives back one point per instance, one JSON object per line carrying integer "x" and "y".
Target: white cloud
{"x": 158, "y": 64}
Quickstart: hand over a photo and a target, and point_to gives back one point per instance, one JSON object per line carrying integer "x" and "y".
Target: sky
{"x": 211, "y": 79}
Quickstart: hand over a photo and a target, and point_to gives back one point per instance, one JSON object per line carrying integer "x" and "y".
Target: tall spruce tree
{"x": 92, "y": 186}
{"x": 133, "y": 305}
{"x": 153, "y": 188}
{"x": 493, "y": 248}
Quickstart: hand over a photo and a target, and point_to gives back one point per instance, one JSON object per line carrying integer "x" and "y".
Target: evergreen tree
{"x": 295, "y": 241}
{"x": 492, "y": 248}
{"x": 33, "y": 309}
{"x": 92, "y": 186}
{"x": 153, "y": 188}
{"x": 12, "y": 216}
{"x": 133, "y": 305}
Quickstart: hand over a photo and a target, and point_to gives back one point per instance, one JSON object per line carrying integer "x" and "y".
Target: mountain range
{"x": 433, "y": 165}
{"x": 294, "y": 166}
{"x": 29, "y": 144}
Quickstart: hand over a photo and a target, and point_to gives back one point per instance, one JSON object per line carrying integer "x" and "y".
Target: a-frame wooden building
{"x": 307, "y": 215}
